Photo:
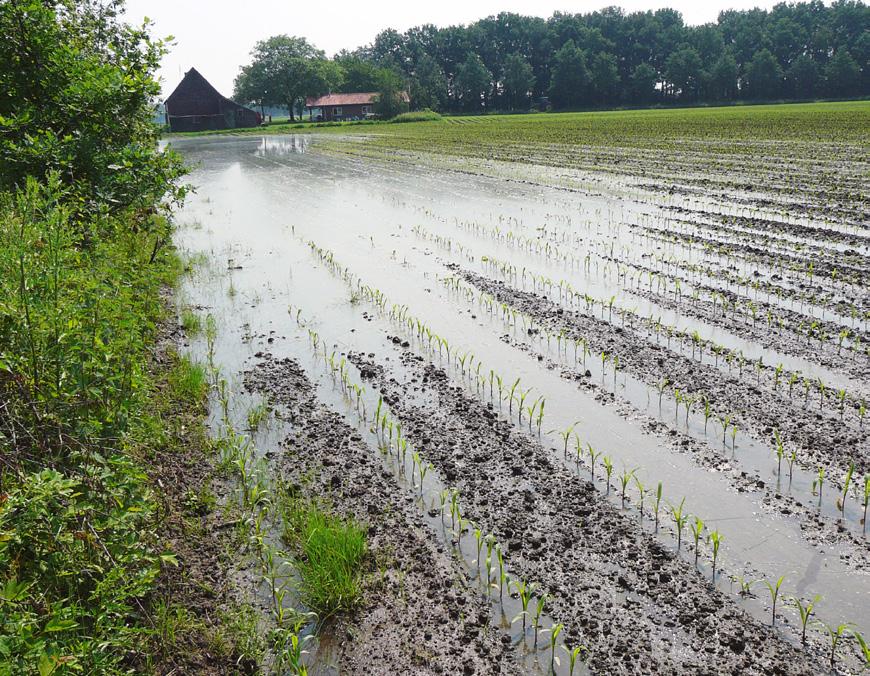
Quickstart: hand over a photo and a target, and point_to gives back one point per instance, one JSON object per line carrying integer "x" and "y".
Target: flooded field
{"x": 590, "y": 413}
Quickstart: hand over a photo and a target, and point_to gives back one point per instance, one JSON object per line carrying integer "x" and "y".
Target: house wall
{"x": 356, "y": 110}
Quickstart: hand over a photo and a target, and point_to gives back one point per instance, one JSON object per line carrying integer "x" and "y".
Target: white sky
{"x": 216, "y": 36}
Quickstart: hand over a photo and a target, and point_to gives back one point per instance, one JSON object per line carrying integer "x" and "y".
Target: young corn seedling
{"x": 791, "y": 460}
{"x": 715, "y": 539}
{"x": 566, "y": 434}
{"x": 864, "y": 646}
{"x": 624, "y": 479}
{"x": 555, "y": 630}
{"x": 805, "y": 610}
{"x": 658, "y": 504}
{"x": 525, "y": 593}
{"x": 540, "y": 419}
{"x": 573, "y": 656}
{"x": 708, "y": 412}
{"x": 608, "y": 469}
{"x": 866, "y": 500}
{"x": 502, "y": 575}
{"x": 697, "y": 527}
{"x": 641, "y": 494}
{"x": 841, "y": 503}
{"x": 511, "y": 396}
{"x": 774, "y": 596}
{"x": 539, "y": 609}
{"x": 818, "y": 483}
{"x": 725, "y": 421}
{"x": 680, "y": 518}
{"x": 780, "y": 451}
{"x": 478, "y": 539}
{"x": 835, "y": 634}
{"x": 593, "y": 455}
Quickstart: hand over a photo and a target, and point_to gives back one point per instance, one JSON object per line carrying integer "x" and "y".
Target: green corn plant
{"x": 835, "y": 634}
{"x": 502, "y": 576}
{"x": 680, "y": 518}
{"x": 774, "y": 596}
{"x": 573, "y": 655}
{"x": 578, "y": 447}
{"x": 715, "y": 539}
{"x": 805, "y": 610}
{"x": 555, "y": 630}
{"x": 624, "y": 480}
{"x": 818, "y": 482}
{"x": 540, "y": 419}
{"x": 524, "y": 591}
{"x": 864, "y": 646}
{"x": 697, "y": 527}
{"x": 511, "y": 395}
{"x": 593, "y": 455}
{"x": 608, "y": 469}
{"x": 641, "y": 494}
{"x": 779, "y": 452}
{"x": 791, "y": 460}
{"x": 745, "y": 585}
{"x": 661, "y": 386}
{"x": 846, "y": 483}
{"x": 478, "y": 538}
{"x": 725, "y": 421}
{"x": 539, "y": 609}
{"x": 658, "y": 504}
{"x": 866, "y": 500}
{"x": 708, "y": 413}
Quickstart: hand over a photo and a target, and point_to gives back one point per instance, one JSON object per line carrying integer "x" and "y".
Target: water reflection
{"x": 281, "y": 146}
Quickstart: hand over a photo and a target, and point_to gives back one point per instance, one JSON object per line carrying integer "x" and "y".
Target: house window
{"x": 366, "y": 110}
{"x": 336, "y": 110}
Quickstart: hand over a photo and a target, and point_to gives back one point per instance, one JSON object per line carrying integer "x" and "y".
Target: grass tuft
{"x": 330, "y": 552}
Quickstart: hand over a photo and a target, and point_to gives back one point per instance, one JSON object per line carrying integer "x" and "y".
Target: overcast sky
{"x": 216, "y": 37}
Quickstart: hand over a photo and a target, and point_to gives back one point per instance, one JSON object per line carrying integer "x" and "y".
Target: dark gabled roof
{"x": 193, "y": 81}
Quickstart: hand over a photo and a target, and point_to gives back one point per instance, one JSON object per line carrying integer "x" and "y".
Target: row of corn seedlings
{"x": 684, "y": 402}
{"x": 255, "y": 504}
{"x": 419, "y": 331}
{"x": 633, "y": 281}
{"x": 468, "y": 538}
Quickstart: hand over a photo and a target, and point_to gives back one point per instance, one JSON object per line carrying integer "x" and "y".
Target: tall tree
{"x": 288, "y": 69}
{"x": 763, "y": 76}
{"x": 642, "y": 84}
{"x": 842, "y": 74}
{"x": 570, "y": 80}
{"x": 683, "y": 71}
{"x": 803, "y": 77}
{"x": 604, "y": 78}
{"x": 391, "y": 99}
{"x": 518, "y": 81}
{"x": 428, "y": 84}
{"x": 472, "y": 83}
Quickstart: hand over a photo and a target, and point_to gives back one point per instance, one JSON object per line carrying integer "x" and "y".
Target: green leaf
{"x": 57, "y": 624}
{"x": 169, "y": 557}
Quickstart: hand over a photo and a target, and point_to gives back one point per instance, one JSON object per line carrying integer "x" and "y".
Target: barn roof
{"x": 194, "y": 84}
{"x": 352, "y": 99}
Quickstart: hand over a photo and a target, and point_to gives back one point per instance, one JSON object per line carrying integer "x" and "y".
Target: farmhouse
{"x": 195, "y": 106}
{"x": 338, "y": 107}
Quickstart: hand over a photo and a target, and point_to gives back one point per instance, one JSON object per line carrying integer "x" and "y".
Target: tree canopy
{"x": 509, "y": 61}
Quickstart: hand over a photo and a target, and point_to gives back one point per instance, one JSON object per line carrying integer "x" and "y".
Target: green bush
{"x": 418, "y": 116}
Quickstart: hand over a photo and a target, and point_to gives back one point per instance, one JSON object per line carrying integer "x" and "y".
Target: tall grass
{"x": 330, "y": 552}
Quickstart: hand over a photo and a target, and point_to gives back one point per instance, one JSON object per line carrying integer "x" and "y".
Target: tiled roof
{"x": 354, "y": 99}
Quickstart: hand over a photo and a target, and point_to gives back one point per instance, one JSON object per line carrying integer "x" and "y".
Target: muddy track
{"x": 628, "y": 598}
{"x": 821, "y": 437}
{"x": 417, "y": 615}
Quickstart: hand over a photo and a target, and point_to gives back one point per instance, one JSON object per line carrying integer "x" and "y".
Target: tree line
{"x": 609, "y": 57}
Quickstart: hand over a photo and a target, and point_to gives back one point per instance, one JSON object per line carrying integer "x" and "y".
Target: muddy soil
{"x": 822, "y": 438}
{"x": 637, "y": 607}
{"x": 417, "y": 615}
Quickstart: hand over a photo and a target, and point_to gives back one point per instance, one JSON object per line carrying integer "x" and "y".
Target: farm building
{"x": 338, "y": 107}
{"x": 195, "y": 106}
